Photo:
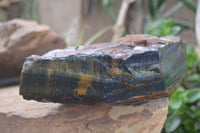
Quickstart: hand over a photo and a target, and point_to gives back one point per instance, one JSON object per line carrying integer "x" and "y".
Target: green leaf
{"x": 192, "y": 57}
{"x": 172, "y": 123}
{"x": 160, "y": 3}
{"x": 81, "y": 37}
{"x": 168, "y": 22}
{"x": 197, "y": 125}
{"x": 105, "y": 2}
{"x": 190, "y": 5}
{"x": 97, "y": 35}
{"x": 189, "y": 126}
{"x": 162, "y": 27}
{"x": 179, "y": 93}
{"x": 175, "y": 30}
{"x": 175, "y": 103}
{"x": 193, "y": 78}
{"x": 190, "y": 113}
{"x": 180, "y": 129}
{"x": 198, "y": 65}
{"x": 192, "y": 95}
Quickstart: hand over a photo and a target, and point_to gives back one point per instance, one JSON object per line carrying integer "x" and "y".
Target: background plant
{"x": 29, "y": 10}
{"x": 159, "y": 23}
{"x": 109, "y": 6}
{"x": 184, "y": 104}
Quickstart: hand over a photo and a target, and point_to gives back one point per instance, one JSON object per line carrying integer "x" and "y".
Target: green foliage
{"x": 162, "y": 27}
{"x": 184, "y": 104}
{"x": 106, "y": 3}
{"x": 183, "y": 111}
{"x": 154, "y": 7}
{"x": 29, "y": 10}
{"x": 94, "y": 37}
{"x": 192, "y": 57}
{"x": 157, "y": 22}
{"x": 108, "y": 7}
{"x": 172, "y": 123}
{"x": 3, "y": 15}
{"x": 97, "y": 35}
{"x": 190, "y": 5}
{"x": 192, "y": 78}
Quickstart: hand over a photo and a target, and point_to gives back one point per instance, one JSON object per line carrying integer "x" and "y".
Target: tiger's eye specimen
{"x": 134, "y": 69}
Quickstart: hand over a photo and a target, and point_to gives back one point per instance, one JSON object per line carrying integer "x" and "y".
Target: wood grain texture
{"x": 21, "y": 116}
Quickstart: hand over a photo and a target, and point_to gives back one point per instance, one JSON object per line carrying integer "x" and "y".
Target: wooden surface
{"x": 21, "y": 116}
